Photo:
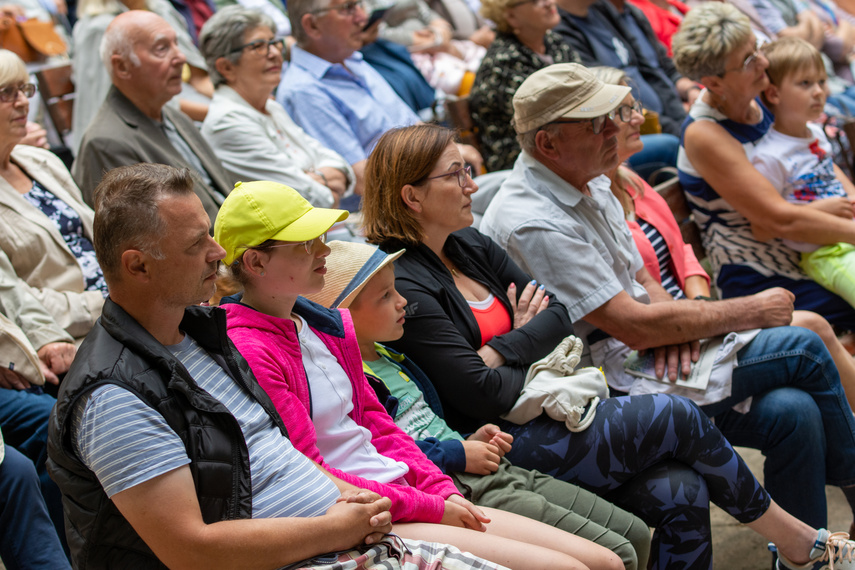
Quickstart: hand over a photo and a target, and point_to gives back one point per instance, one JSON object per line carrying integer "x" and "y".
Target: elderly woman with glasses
{"x": 46, "y": 228}
{"x": 730, "y": 198}
{"x": 523, "y": 44}
{"x": 251, "y": 133}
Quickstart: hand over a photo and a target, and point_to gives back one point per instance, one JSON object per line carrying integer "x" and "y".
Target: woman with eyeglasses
{"x": 47, "y": 228}
{"x": 251, "y": 133}
{"x": 716, "y": 46}
{"x": 524, "y": 43}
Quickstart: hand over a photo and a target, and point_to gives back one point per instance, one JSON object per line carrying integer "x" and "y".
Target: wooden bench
{"x": 57, "y": 91}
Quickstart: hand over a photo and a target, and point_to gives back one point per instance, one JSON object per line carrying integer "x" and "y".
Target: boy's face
{"x": 378, "y": 310}
{"x": 801, "y": 95}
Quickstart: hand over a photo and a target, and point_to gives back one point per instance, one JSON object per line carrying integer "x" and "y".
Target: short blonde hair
{"x": 494, "y": 10}
{"x": 708, "y": 34}
{"x": 12, "y": 68}
{"x": 789, "y": 55}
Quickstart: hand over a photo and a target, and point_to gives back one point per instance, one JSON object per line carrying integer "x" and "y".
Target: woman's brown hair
{"x": 402, "y": 156}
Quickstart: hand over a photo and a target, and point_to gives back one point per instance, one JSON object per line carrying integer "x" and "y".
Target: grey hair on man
{"x": 296, "y": 10}
{"x": 126, "y": 211}
{"x": 117, "y": 41}
{"x": 223, "y": 34}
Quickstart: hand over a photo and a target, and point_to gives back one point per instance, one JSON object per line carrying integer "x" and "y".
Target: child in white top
{"x": 795, "y": 156}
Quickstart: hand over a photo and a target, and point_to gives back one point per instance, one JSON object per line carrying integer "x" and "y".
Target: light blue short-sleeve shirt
{"x": 579, "y": 246}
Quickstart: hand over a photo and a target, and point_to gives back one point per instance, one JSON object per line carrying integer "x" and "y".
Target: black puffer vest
{"x": 120, "y": 351}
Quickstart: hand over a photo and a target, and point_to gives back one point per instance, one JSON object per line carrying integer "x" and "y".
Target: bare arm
{"x": 166, "y": 514}
{"x": 709, "y": 146}
{"x": 642, "y": 326}
{"x": 696, "y": 285}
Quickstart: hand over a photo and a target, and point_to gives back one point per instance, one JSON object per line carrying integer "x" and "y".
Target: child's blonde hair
{"x": 789, "y": 55}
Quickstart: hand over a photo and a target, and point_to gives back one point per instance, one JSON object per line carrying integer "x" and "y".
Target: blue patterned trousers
{"x": 657, "y": 456}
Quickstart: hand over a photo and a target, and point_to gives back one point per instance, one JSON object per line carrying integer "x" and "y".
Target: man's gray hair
{"x": 224, "y": 33}
{"x": 527, "y": 140}
{"x": 117, "y": 41}
{"x": 296, "y": 10}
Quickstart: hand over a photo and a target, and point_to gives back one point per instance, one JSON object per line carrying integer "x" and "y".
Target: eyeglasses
{"x": 346, "y": 9}
{"x": 597, "y": 123}
{"x": 624, "y": 112}
{"x": 261, "y": 48}
{"x": 538, "y": 3}
{"x": 308, "y": 244}
{"x": 9, "y": 93}
{"x": 463, "y": 174}
{"x": 750, "y": 60}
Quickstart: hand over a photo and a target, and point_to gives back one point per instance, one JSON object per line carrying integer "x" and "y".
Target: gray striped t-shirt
{"x": 125, "y": 442}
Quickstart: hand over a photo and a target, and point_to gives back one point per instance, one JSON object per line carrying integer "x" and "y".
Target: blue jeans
{"x": 799, "y": 419}
{"x": 24, "y": 420}
{"x": 27, "y": 535}
{"x": 659, "y": 150}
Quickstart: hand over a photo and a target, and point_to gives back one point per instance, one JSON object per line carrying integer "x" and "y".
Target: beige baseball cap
{"x": 563, "y": 91}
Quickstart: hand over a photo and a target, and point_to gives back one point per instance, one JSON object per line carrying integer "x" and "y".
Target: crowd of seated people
{"x": 141, "y": 427}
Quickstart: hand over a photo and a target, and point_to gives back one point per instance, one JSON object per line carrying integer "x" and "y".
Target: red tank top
{"x": 492, "y": 317}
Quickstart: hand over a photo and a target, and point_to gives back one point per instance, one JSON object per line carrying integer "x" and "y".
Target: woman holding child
{"x": 744, "y": 218}
{"x": 419, "y": 197}
{"x": 667, "y": 258}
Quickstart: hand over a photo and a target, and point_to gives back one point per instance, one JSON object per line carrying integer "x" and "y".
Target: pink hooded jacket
{"x": 271, "y": 347}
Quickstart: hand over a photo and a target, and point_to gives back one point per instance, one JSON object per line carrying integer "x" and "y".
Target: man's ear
{"x": 412, "y": 197}
{"x": 310, "y": 26}
{"x": 543, "y": 143}
{"x": 121, "y": 66}
{"x": 134, "y": 265}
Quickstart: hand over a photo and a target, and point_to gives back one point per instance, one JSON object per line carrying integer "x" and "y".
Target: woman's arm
{"x": 460, "y": 376}
{"x": 534, "y": 340}
{"x": 708, "y": 146}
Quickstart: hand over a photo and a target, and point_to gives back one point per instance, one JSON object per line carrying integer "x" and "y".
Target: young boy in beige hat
{"x": 361, "y": 278}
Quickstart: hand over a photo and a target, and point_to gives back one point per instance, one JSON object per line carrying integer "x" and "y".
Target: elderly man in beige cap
{"x": 557, "y": 218}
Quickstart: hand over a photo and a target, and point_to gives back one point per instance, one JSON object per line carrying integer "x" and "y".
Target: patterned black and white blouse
{"x": 71, "y": 228}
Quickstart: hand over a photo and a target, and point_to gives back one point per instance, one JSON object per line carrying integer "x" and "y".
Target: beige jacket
{"x": 37, "y": 250}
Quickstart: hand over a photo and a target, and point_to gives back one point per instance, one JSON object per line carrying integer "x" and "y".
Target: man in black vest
{"x": 159, "y": 419}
